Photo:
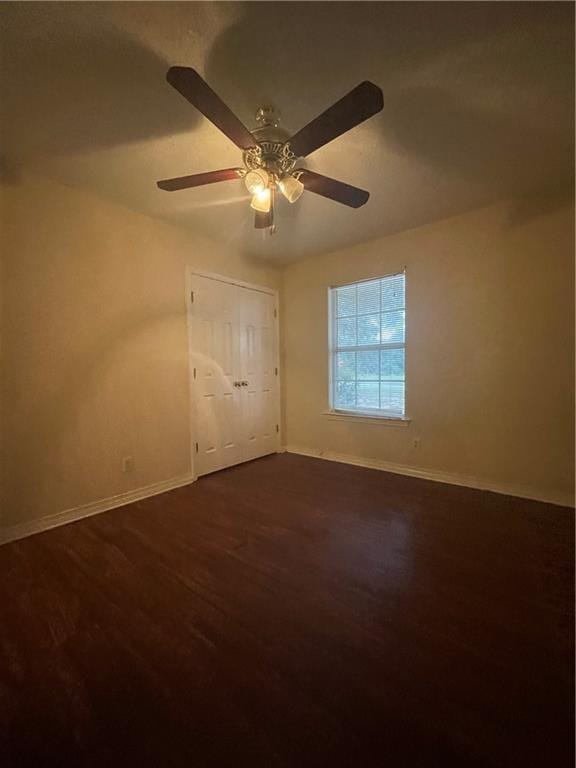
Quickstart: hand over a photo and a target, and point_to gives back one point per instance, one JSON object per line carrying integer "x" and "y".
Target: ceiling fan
{"x": 271, "y": 158}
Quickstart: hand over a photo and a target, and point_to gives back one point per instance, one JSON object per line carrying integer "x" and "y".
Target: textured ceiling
{"x": 478, "y": 106}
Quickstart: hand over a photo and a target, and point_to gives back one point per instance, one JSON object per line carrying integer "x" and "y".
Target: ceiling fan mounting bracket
{"x": 267, "y": 117}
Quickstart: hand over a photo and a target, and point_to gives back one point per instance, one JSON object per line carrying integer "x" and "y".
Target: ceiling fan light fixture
{"x": 291, "y": 188}
{"x": 270, "y": 157}
{"x": 257, "y": 181}
{"x": 261, "y": 201}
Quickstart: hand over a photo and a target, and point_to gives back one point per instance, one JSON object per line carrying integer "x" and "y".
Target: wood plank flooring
{"x": 292, "y": 612}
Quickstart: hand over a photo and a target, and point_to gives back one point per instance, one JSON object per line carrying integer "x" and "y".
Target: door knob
{"x": 237, "y": 384}
{"x": 244, "y": 383}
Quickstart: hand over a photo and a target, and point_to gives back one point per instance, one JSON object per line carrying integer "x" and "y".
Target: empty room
{"x": 287, "y": 384}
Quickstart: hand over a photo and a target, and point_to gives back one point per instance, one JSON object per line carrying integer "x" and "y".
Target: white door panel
{"x": 234, "y": 350}
{"x": 257, "y": 365}
{"x": 214, "y": 339}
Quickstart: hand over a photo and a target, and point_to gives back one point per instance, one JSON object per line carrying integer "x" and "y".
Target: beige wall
{"x": 94, "y": 346}
{"x": 490, "y": 348}
{"x": 94, "y": 363}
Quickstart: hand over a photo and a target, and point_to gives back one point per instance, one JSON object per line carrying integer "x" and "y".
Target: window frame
{"x": 369, "y": 414}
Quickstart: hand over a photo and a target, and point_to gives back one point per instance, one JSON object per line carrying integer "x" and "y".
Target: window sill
{"x": 368, "y": 418}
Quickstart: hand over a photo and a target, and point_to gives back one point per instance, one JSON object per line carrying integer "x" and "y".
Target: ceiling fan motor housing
{"x": 272, "y": 149}
{"x": 275, "y": 157}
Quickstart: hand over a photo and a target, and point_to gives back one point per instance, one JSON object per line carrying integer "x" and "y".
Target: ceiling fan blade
{"x": 199, "y": 179}
{"x": 335, "y": 190}
{"x": 194, "y": 88}
{"x": 263, "y": 220}
{"x": 361, "y": 103}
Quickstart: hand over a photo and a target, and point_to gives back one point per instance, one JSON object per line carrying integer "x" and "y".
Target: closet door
{"x": 215, "y": 342}
{"x": 233, "y": 348}
{"x": 258, "y": 373}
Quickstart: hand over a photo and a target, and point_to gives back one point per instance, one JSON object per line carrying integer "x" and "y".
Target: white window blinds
{"x": 367, "y": 346}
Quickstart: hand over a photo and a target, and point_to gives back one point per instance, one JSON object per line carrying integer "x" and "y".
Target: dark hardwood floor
{"x": 292, "y": 612}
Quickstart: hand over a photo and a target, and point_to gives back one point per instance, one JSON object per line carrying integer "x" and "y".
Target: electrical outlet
{"x": 128, "y": 464}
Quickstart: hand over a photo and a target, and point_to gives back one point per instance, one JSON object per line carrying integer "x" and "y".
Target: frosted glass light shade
{"x": 291, "y": 188}
{"x": 261, "y": 201}
{"x": 256, "y": 181}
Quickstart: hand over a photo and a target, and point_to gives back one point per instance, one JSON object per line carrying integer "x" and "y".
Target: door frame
{"x": 190, "y": 273}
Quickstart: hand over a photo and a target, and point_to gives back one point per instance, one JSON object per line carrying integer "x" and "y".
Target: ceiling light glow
{"x": 261, "y": 201}
{"x": 256, "y": 181}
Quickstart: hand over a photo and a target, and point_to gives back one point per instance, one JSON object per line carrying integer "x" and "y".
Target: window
{"x": 367, "y": 323}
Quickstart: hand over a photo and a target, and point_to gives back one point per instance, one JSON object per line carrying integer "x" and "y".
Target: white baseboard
{"x": 524, "y": 492}
{"x": 11, "y": 533}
